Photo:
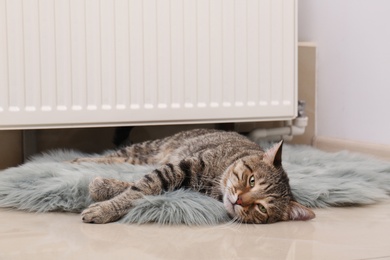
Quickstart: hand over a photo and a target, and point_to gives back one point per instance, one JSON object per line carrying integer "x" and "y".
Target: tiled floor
{"x": 336, "y": 233}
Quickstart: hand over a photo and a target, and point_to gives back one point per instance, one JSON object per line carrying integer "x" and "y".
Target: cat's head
{"x": 256, "y": 190}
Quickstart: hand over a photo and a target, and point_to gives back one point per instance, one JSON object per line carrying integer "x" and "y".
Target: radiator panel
{"x": 86, "y": 63}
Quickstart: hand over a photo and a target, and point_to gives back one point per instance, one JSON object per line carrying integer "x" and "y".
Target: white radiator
{"x": 72, "y": 63}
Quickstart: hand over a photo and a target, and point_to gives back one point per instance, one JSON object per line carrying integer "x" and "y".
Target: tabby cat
{"x": 226, "y": 166}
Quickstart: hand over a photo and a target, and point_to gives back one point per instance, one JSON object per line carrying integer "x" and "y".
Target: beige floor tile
{"x": 336, "y": 233}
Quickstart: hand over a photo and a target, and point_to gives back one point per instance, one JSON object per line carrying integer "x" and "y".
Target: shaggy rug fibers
{"x": 317, "y": 179}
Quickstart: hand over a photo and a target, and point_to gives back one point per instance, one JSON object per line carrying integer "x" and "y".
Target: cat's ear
{"x": 273, "y": 156}
{"x": 297, "y": 211}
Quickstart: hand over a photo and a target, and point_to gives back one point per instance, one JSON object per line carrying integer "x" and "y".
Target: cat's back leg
{"x": 149, "y": 152}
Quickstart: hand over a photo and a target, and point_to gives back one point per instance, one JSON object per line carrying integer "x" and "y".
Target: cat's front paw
{"x": 101, "y": 189}
{"x": 100, "y": 213}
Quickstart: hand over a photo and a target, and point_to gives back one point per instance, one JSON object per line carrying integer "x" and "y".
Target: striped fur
{"x": 223, "y": 165}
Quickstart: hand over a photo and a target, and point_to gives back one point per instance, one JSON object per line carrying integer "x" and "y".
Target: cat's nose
{"x": 239, "y": 201}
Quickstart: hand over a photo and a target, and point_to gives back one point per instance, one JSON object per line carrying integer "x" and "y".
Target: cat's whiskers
{"x": 234, "y": 223}
{"x": 239, "y": 221}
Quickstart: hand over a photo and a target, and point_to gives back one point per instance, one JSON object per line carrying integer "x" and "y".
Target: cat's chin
{"x": 229, "y": 206}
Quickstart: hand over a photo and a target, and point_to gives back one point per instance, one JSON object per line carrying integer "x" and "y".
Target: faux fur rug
{"x": 318, "y": 179}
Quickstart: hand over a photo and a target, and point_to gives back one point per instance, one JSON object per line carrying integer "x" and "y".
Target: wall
{"x": 353, "y": 63}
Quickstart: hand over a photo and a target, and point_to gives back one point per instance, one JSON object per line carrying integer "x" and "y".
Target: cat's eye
{"x": 262, "y": 208}
{"x": 252, "y": 181}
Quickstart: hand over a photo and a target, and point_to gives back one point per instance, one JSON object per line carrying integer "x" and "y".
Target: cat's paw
{"x": 101, "y": 189}
{"x": 100, "y": 213}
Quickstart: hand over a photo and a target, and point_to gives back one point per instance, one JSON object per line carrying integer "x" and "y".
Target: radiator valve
{"x": 301, "y": 108}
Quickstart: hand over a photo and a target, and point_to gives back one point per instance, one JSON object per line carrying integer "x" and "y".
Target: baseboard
{"x": 333, "y": 145}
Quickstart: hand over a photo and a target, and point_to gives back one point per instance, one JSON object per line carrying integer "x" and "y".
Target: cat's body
{"x": 224, "y": 165}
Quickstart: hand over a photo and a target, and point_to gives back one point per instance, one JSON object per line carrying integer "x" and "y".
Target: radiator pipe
{"x": 295, "y": 127}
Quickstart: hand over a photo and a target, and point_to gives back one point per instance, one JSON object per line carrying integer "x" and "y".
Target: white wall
{"x": 353, "y": 39}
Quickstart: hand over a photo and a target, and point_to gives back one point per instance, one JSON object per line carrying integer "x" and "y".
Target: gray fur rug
{"x": 318, "y": 179}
